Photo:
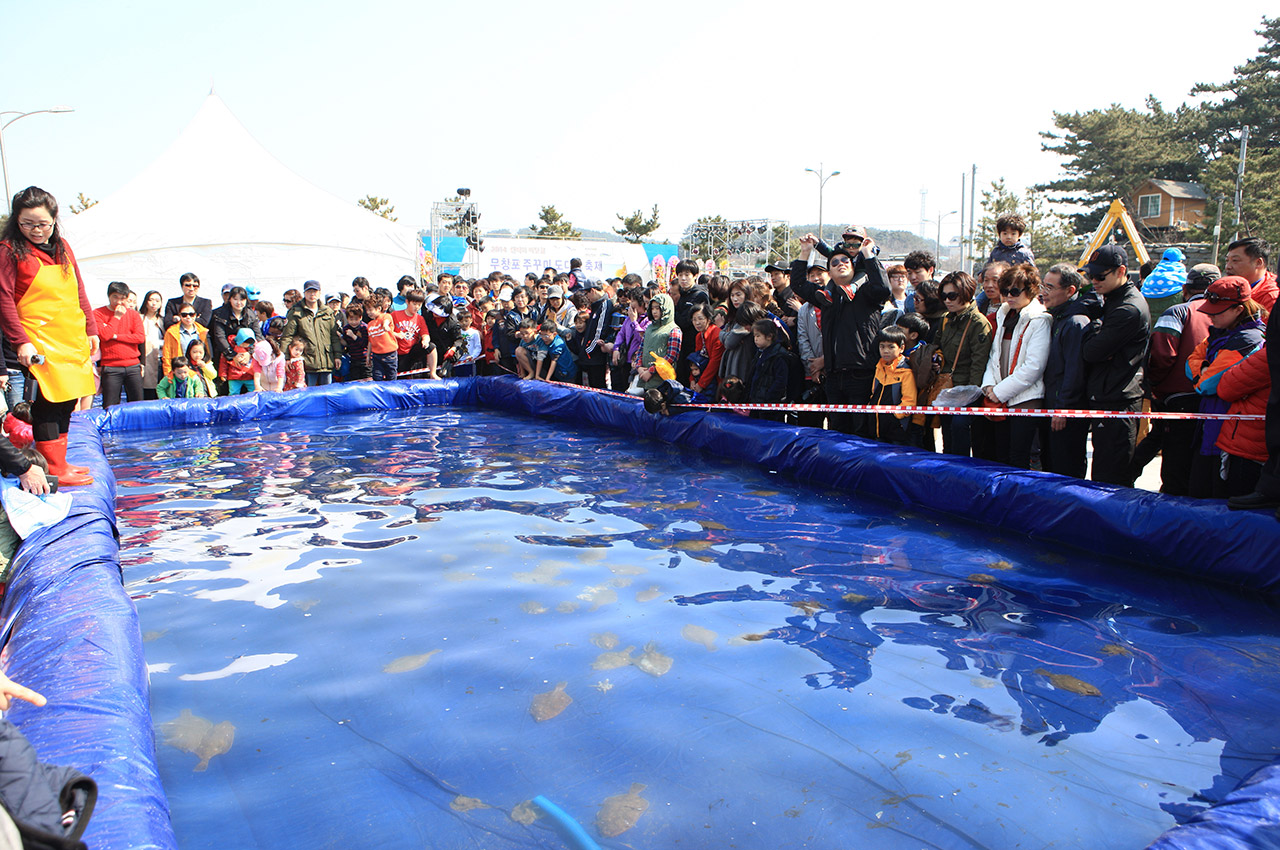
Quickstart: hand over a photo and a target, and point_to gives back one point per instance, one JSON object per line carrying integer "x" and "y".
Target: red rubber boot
{"x": 55, "y": 452}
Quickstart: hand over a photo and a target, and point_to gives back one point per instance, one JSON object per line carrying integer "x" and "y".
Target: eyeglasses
{"x": 1215, "y": 298}
{"x": 951, "y": 296}
{"x": 1012, "y": 292}
{"x": 840, "y": 260}
{"x": 36, "y": 225}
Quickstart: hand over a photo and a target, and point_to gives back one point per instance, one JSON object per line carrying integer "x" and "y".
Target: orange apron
{"x": 52, "y": 317}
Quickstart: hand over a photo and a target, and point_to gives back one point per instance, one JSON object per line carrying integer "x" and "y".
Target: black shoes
{"x": 1254, "y": 502}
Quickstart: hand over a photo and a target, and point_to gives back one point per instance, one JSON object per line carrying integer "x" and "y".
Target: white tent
{"x": 217, "y": 204}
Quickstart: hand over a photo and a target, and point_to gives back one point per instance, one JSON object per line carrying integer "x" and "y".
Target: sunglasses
{"x": 840, "y": 260}
{"x": 1099, "y": 278}
{"x": 1012, "y": 292}
{"x": 1215, "y": 298}
{"x": 951, "y": 296}
{"x": 186, "y": 315}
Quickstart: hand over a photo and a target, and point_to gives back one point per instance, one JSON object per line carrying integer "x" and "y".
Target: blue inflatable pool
{"x": 73, "y": 632}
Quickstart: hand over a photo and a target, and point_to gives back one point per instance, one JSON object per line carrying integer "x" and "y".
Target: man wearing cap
{"x": 317, "y": 326}
{"x": 849, "y": 310}
{"x": 1249, "y": 258}
{"x": 597, "y": 338}
{"x": 1175, "y": 335}
{"x": 189, "y": 297}
{"x": 780, "y": 279}
{"x": 1114, "y": 348}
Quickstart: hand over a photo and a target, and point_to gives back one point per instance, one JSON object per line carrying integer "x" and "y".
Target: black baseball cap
{"x": 777, "y": 267}
{"x": 1106, "y": 259}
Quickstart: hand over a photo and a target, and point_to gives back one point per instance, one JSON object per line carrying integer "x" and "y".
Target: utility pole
{"x": 1217, "y": 228}
{"x": 924, "y": 193}
{"x": 1244, "y": 147}
{"x": 963, "y": 253}
{"x": 973, "y": 222}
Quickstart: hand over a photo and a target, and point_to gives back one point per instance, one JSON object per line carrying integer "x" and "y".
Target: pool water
{"x": 359, "y": 626}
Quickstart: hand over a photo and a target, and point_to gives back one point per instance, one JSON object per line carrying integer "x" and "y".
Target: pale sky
{"x": 700, "y": 107}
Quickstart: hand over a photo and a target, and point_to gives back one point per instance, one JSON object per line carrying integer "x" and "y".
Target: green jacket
{"x": 319, "y": 331}
{"x": 968, "y": 364}
{"x": 195, "y": 388}
{"x": 657, "y": 336}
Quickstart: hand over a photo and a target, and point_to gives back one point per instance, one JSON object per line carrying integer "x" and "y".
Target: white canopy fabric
{"x": 218, "y": 204}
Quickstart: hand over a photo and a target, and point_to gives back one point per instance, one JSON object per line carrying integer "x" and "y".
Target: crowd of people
{"x": 836, "y": 326}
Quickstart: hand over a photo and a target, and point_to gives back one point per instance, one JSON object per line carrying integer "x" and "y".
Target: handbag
{"x": 994, "y": 405}
{"x": 944, "y": 380}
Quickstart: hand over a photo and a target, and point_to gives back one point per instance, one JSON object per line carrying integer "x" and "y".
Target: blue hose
{"x": 568, "y": 828}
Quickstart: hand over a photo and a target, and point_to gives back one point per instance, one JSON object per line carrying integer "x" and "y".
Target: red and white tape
{"x": 927, "y": 411}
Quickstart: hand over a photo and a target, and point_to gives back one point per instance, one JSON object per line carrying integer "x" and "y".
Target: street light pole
{"x": 822, "y": 182}
{"x": 937, "y": 242}
{"x": 4, "y": 165}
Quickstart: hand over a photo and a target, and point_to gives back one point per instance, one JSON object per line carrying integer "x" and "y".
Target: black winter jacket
{"x": 36, "y": 795}
{"x": 1064, "y": 371}
{"x": 849, "y": 325}
{"x": 1114, "y": 348}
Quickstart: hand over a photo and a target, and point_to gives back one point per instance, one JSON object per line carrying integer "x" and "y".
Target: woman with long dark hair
{"x": 45, "y": 312}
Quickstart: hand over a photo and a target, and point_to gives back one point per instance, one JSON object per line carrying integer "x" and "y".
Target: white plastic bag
{"x": 962, "y": 396}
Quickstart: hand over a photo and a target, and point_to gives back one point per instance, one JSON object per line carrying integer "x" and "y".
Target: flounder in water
{"x": 620, "y": 812}
{"x": 693, "y": 545}
{"x": 548, "y": 705}
{"x": 605, "y": 640}
{"x": 405, "y": 663}
{"x": 467, "y": 804}
{"x": 217, "y": 742}
{"x": 1067, "y": 682}
{"x": 613, "y": 660}
{"x": 525, "y": 813}
{"x": 599, "y": 595}
{"x": 652, "y": 661}
{"x": 542, "y": 574}
{"x": 697, "y": 634}
{"x": 186, "y": 731}
{"x": 808, "y": 606}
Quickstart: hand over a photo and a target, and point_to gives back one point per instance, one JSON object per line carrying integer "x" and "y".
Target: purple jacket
{"x": 629, "y": 340}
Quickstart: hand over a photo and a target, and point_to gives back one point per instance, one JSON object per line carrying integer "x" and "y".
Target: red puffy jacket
{"x": 1246, "y": 386}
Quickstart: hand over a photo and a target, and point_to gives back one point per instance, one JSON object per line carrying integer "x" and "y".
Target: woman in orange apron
{"x": 45, "y": 313}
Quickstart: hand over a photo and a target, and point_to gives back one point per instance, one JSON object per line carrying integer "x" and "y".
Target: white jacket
{"x": 1031, "y": 343}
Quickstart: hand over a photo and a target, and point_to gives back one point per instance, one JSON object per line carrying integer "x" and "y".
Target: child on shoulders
{"x": 1009, "y": 248}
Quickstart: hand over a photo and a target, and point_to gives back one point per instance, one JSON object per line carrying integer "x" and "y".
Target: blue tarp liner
{"x": 73, "y": 633}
